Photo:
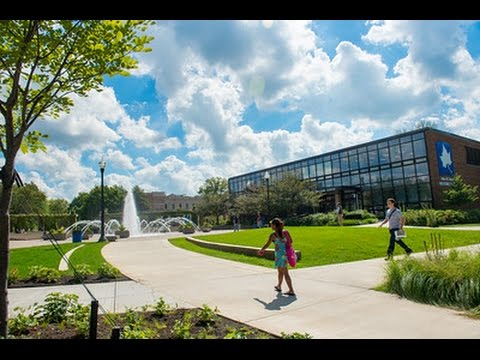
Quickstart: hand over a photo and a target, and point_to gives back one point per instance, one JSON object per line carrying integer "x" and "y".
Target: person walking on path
{"x": 339, "y": 212}
{"x": 236, "y": 223}
{"x": 279, "y": 238}
{"x": 395, "y": 221}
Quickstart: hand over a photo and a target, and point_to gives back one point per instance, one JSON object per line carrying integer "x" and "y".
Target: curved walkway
{"x": 334, "y": 301}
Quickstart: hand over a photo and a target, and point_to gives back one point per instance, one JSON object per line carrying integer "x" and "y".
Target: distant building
{"x": 161, "y": 202}
{"x": 414, "y": 167}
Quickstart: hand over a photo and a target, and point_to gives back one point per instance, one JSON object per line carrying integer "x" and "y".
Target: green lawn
{"x": 329, "y": 245}
{"x": 47, "y": 256}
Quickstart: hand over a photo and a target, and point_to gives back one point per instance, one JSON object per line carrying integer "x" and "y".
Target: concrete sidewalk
{"x": 333, "y": 301}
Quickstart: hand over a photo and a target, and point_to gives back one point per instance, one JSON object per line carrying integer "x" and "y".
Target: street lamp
{"x": 267, "y": 180}
{"x": 103, "y": 165}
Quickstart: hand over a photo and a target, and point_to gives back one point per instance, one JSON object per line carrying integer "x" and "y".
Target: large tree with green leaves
{"x": 214, "y": 197}
{"x": 57, "y": 206}
{"x": 28, "y": 199}
{"x": 42, "y": 63}
{"x": 87, "y": 205}
{"x": 459, "y": 193}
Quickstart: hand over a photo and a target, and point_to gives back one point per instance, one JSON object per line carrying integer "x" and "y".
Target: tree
{"x": 57, "y": 206}
{"x": 290, "y": 196}
{"x": 214, "y": 197}
{"x": 141, "y": 201}
{"x": 28, "y": 199}
{"x": 42, "y": 63}
{"x": 459, "y": 193}
{"x": 88, "y": 205}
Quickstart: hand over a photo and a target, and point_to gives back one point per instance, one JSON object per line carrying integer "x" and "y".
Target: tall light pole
{"x": 103, "y": 165}
{"x": 267, "y": 180}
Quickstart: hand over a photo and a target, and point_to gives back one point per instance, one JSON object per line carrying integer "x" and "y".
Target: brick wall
{"x": 469, "y": 173}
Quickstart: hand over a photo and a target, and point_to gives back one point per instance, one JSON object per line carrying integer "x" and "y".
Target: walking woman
{"x": 279, "y": 238}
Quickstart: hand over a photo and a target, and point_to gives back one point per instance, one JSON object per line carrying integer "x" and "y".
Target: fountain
{"x": 130, "y": 217}
{"x": 136, "y": 226}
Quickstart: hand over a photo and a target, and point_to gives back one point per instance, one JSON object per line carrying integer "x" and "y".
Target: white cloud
{"x": 63, "y": 174}
{"x": 144, "y": 137}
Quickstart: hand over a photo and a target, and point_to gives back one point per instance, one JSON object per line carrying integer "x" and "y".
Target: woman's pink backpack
{"x": 291, "y": 255}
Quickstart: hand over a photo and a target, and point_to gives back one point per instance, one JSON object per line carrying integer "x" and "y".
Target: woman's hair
{"x": 278, "y": 227}
{"x": 392, "y": 200}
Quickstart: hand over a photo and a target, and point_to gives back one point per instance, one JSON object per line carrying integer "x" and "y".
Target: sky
{"x": 222, "y": 98}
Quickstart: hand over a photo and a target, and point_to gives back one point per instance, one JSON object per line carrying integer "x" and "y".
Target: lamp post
{"x": 102, "y": 165}
{"x": 267, "y": 180}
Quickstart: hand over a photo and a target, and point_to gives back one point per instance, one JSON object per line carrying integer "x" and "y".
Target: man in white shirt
{"x": 395, "y": 221}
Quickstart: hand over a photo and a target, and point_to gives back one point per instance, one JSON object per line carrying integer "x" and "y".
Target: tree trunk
{"x": 5, "y": 199}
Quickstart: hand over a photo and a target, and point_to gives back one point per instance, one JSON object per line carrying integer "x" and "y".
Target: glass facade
{"x": 363, "y": 176}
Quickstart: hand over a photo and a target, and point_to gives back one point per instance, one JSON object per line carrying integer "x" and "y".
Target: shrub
{"x": 295, "y": 335}
{"x": 82, "y": 271}
{"x": 182, "y": 327}
{"x": 161, "y": 308}
{"x": 108, "y": 271}
{"x": 135, "y": 333}
{"x": 21, "y": 323}
{"x": 206, "y": 315}
{"x": 13, "y": 276}
{"x": 241, "y": 333}
{"x": 43, "y": 274}
{"x": 57, "y": 307}
{"x": 452, "y": 280}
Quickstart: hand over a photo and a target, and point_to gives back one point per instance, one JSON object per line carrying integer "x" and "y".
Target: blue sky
{"x": 220, "y": 98}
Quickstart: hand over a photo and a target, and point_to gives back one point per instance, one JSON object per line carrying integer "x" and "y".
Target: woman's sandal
{"x": 277, "y": 288}
{"x": 290, "y": 293}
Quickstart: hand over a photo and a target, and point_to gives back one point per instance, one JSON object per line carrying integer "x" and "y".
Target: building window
{"x": 473, "y": 156}
{"x": 179, "y": 206}
{"x": 173, "y": 206}
{"x": 419, "y": 147}
{"x": 186, "y": 205}
{"x": 166, "y": 207}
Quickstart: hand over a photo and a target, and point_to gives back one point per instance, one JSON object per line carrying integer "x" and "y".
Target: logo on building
{"x": 445, "y": 159}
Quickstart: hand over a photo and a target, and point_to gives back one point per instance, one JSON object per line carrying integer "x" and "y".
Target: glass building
{"x": 413, "y": 167}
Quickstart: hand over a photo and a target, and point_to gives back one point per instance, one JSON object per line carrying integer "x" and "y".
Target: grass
{"x": 329, "y": 245}
{"x": 90, "y": 254}
{"x": 447, "y": 280}
{"x": 22, "y": 259}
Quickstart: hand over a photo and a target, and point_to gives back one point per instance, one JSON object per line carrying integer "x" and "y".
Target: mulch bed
{"x": 65, "y": 280}
{"x": 161, "y": 327}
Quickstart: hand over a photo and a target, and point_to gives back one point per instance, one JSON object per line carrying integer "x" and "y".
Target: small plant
{"x": 13, "y": 276}
{"x": 82, "y": 272}
{"x": 161, "y": 308}
{"x": 122, "y": 227}
{"x": 135, "y": 333}
{"x": 206, "y": 315}
{"x": 241, "y": 333}
{"x": 21, "y": 324}
{"x": 182, "y": 328}
{"x": 295, "y": 335}
{"x": 205, "y": 334}
{"x": 108, "y": 271}
{"x": 57, "y": 308}
{"x": 43, "y": 274}
{"x": 133, "y": 318}
{"x": 57, "y": 231}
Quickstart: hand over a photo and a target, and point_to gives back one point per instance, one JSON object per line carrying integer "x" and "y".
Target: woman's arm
{"x": 262, "y": 250}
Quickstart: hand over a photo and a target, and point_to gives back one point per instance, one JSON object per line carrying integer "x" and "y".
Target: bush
{"x": 21, "y": 323}
{"x": 161, "y": 308}
{"x": 360, "y": 215}
{"x": 13, "y": 276}
{"x": 82, "y": 271}
{"x": 43, "y": 274}
{"x": 206, "y": 315}
{"x": 108, "y": 271}
{"x": 241, "y": 333}
{"x": 295, "y": 335}
{"x": 182, "y": 328}
{"x": 357, "y": 217}
{"x": 452, "y": 280}
{"x": 57, "y": 308}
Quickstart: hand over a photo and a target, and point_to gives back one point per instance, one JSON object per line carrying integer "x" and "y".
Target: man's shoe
{"x": 409, "y": 252}
{"x": 388, "y": 257}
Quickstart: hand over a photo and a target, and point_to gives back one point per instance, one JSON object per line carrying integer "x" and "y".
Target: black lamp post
{"x": 102, "y": 165}
{"x": 267, "y": 180}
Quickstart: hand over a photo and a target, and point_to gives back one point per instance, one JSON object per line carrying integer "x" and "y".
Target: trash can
{"x": 76, "y": 236}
